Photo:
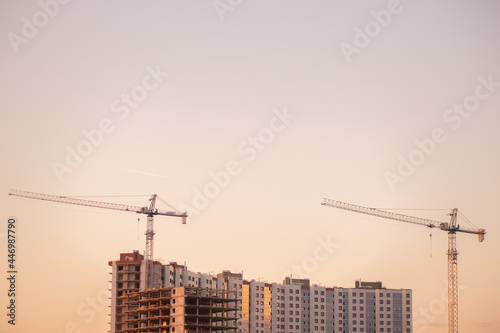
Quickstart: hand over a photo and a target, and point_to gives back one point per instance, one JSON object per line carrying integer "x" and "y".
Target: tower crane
{"x": 150, "y": 211}
{"x": 451, "y": 228}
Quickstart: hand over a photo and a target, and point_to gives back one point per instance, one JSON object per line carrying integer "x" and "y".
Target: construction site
{"x": 148, "y": 296}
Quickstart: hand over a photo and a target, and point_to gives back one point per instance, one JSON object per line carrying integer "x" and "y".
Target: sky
{"x": 246, "y": 114}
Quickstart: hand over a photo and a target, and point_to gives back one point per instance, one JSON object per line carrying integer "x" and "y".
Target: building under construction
{"x": 178, "y": 310}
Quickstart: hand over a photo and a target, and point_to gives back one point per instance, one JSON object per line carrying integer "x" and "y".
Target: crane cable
{"x": 467, "y": 220}
{"x": 169, "y": 205}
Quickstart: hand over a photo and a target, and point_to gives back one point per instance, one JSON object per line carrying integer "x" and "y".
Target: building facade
{"x": 293, "y": 306}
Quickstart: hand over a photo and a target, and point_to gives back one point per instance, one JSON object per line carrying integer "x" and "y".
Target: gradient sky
{"x": 229, "y": 70}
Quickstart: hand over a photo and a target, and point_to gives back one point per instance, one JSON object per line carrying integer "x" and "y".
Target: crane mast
{"x": 453, "y": 275}
{"x": 451, "y": 228}
{"x": 150, "y": 211}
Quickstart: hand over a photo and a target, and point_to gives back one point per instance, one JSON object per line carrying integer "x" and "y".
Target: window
{"x": 315, "y": 292}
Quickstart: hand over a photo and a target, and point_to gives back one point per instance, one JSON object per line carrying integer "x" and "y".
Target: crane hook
{"x": 430, "y": 236}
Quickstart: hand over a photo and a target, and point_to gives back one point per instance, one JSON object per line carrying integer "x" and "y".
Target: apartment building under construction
{"x": 178, "y": 310}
